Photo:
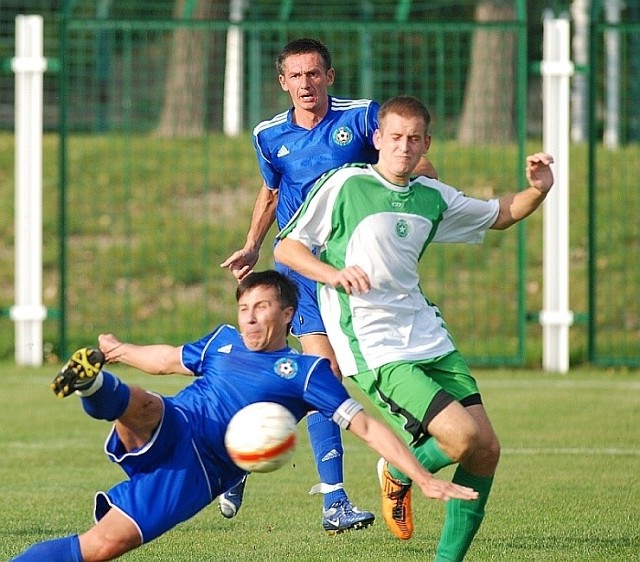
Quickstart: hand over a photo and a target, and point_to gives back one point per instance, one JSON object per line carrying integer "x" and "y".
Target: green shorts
{"x": 411, "y": 393}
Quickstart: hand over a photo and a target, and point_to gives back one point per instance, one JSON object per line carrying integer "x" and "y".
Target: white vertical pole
{"x": 556, "y": 316}
{"x": 580, "y": 43}
{"x": 611, "y": 136}
{"x": 233, "y": 73}
{"x": 28, "y": 312}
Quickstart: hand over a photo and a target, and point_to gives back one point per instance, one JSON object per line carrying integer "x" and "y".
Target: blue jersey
{"x": 230, "y": 376}
{"x": 291, "y": 158}
{"x": 188, "y": 444}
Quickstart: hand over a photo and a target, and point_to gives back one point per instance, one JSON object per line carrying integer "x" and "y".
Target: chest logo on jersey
{"x": 342, "y": 136}
{"x": 282, "y": 151}
{"x": 286, "y": 368}
{"x": 402, "y": 228}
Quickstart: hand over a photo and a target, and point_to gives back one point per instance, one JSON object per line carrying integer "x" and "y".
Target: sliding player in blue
{"x": 294, "y": 148}
{"x": 172, "y": 448}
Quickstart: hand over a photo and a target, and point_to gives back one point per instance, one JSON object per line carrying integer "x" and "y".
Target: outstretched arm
{"x": 158, "y": 359}
{"x": 382, "y": 440}
{"x": 296, "y": 255}
{"x": 241, "y": 262}
{"x": 517, "y": 206}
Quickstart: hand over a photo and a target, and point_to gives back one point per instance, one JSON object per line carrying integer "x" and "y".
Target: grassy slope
{"x": 150, "y": 219}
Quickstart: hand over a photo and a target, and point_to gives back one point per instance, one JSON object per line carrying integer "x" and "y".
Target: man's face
{"x": 401, "y": 141}
{"x": 262, "y": 321}
{"x": 306, "y": 80}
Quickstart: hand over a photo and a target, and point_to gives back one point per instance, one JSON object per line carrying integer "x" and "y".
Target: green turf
{"x": 568, "y": 486}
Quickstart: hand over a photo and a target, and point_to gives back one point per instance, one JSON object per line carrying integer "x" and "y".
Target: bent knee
{"x": 469, "y": 441}
{"x": 99, "y": 548}
{"x": 112, "y": 536}
{"x": 463, "y": 443}
{"x": 484, "y": 458}
{"x": 491, "y": 451}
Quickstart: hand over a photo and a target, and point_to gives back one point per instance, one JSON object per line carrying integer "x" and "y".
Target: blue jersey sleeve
{"x": 193, "y": 353}
{"x": 322, "y": 389}
{"x": 269, "y": 172}
{"x": 371, "y": 124}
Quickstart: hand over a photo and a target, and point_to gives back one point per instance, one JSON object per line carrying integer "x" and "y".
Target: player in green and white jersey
{"x": 372, "y": 224}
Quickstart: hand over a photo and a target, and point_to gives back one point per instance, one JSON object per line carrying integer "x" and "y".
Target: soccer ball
{"x": 261, "y": 437}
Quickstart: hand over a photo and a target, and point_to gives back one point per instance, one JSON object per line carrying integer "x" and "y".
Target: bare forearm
{"x": 156, "y": 359}
{"x": 517, "y": 206}
{"x": 242, "y": 261}
{"x": 382, "y": 440}
{"x": 292, "y": 253}
{"x": 263, "y": 216}
{"x": 297, "y": 256}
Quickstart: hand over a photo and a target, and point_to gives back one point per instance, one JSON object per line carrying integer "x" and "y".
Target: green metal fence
{"x": 153, "y": 195}
{"x": 614, "y": 188}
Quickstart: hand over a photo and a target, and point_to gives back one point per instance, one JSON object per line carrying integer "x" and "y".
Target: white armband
{"x": 346, "y": 412}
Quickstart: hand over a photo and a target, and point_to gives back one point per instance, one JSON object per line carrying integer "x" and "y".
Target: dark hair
{"x": 302, "y": 47}
{"x": 405, "y": 106}
{"x": 286, "y": 289}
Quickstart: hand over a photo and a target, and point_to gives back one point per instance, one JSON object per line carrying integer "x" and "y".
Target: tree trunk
{"x": 487, "y": 114}
{"x": 184, "y": 107}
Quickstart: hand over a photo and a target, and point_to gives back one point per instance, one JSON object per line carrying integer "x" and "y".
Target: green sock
{"x": 398, "y": 475}
{"x": 429, "y": 455}
{"x": 463, "y": 518}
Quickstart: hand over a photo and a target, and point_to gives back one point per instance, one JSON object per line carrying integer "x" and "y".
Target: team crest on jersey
{"x": 342, "y": 136}
{"x": 402, "y": 228}
{"x": 286, "y": 368}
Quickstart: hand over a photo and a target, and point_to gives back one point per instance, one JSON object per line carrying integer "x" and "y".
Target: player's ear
{"x": 376, "y": 138}
{"x": 283, "y": 82}
{"x": 289, "y": 312}
{"x": 331, "y": 76}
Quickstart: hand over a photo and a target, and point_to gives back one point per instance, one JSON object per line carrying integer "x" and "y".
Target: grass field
{"x": 568, "y": 486}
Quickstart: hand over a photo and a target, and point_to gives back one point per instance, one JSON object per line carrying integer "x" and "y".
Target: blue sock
{"x": 109, "y": 401}
{"x": 66, "y": 549}
{"x": 326, "y": 442}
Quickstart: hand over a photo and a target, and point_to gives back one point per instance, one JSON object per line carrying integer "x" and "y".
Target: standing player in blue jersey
{"x": 172, "y": 448}
{"x": 294, "y": 148}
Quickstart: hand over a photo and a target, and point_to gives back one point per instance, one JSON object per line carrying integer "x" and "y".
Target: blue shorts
{"x": 168, "y": 482}
{"x": 307, "y": 319}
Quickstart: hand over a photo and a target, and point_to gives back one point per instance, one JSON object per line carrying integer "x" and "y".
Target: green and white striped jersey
{"x": 356, "y": 217}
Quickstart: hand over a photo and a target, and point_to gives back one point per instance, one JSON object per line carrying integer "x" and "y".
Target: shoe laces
{"x": 340, "y": 505}
{"x": 398, "y": 511}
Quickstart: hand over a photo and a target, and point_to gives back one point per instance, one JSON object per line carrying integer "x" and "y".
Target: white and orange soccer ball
{"x": 261, "y": 437}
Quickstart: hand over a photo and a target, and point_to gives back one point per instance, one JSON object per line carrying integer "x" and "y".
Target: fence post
{"x": 579, "y": 121}
{"x": 611, "y": 135}
{"x": 556, "y": 317}
{"x": 28, "y": 312}
{"x": 233, "y": 75}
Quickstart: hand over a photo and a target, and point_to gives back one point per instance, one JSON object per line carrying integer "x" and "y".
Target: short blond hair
{"x": 405, "y": 106}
